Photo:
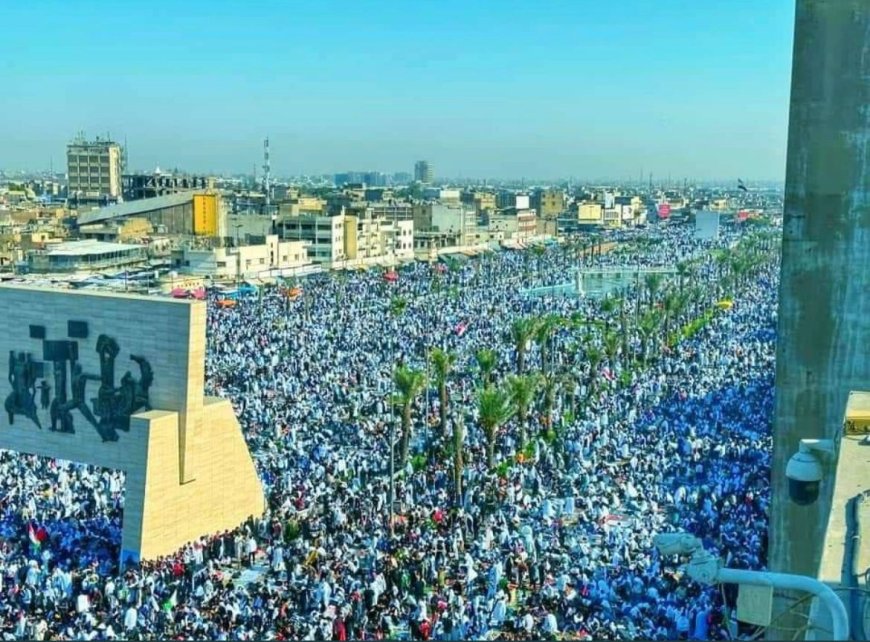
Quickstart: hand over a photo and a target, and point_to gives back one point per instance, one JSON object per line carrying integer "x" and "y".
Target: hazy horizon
{"x": 507, "y": 89}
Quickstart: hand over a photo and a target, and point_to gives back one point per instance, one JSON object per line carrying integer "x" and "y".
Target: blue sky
{"x": 501, "y": 88}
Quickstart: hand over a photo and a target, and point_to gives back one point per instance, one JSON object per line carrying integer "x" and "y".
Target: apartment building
{"x": 94, "y": 170}
{"x": 324, "y": 236}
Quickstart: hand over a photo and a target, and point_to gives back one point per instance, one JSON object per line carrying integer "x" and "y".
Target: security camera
{"x": 804, "y": 471}
{"x": 676, "y": 544}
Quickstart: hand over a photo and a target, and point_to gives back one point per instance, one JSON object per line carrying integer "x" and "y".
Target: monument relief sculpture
{"x": 113, "y": 405}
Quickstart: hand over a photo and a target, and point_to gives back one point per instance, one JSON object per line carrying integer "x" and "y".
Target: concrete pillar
{"x": 824, "y": 316}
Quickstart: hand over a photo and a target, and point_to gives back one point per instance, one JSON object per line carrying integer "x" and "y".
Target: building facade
{"x": 324, "y": 236}
{"x": 94, "y": 170}
{"x": 85, "y": 256}
{"x": 423, "y": 172}
{"x": 272, "y": 258}
{"x": 549, "y": 203}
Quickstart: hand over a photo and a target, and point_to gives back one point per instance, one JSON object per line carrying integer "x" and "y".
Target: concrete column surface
{"x": 824, "y": 317}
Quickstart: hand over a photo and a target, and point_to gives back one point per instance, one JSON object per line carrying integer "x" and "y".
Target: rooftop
{"x": 84, "y": 248}
{"x": 130, "y": 208}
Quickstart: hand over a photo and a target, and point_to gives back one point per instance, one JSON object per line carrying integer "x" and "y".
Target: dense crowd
{"x": 557, "y": 541}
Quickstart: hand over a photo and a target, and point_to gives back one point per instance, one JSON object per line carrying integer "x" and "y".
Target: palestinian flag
{"x": 34, "y": 538}
{"x": 171, "y": 602}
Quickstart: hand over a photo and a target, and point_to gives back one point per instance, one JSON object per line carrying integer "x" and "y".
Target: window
{"x": 221, "y": 264}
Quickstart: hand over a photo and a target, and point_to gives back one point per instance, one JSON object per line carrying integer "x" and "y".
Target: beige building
{"x": 372, "y": 237}
{"x": 121, "y": 231}
{"x": 94, "y": 169}
{"x": 549, "y": 203}
{"x": 591, "y": 213}
{"x": 513, "y": 224}
{"x": 272, "y": 258}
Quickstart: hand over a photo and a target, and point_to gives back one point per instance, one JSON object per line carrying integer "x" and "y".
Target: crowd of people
{"x": 556, "y": 542}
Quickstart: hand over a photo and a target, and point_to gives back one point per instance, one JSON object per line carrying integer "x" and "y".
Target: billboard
{"x": 706, "y": 225}
{"x": 205, "y": 214}
{"x": 664, "y": 210}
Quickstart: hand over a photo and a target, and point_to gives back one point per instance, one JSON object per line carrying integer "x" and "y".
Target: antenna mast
{"x": 267, "y": 169}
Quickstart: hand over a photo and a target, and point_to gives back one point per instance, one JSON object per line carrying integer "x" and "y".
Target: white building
{"x": 272, "y": 258}
{"x": 324, "y": 236}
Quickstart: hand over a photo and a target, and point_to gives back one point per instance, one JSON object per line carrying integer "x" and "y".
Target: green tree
{"x": 647, "y": 328}
{"x": 409, "y": 384}
{"x": 487, "y": 361}
{"x": 653, "y": 284}
{"x": 545, "y": 330}
{"x": 684, "y": 270}
{"x": 494, "y": 410}
{"x": 458, "y": 460}
{"x": 522, "y": 332}
{"x": 442, "y": 365}
{"x": 522, "y": 389}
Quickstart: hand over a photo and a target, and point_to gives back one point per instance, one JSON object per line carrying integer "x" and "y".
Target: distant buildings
{"x": 138, "y": 186}
{"x": 183, "y": 214}
{"x": 94, "y": 170}
{"x": 423, "y": 172}
{"x": 85, "y": 256}
{"x": 270, "y": 258}
{"x": 548, "y": 203}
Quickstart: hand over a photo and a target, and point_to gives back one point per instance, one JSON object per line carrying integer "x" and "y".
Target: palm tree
{"x": 546, "y": 328}
{"x": 522, "y": 332}
{"x": 521, "y": 389}
{"x": 653, "y": 283}
{"x": 648, "y": 326}
{"x": 594, "y": 356}
{"x": 494, "y": 410}
{"x": 611, "y": 342}
{"x": 458, "y": 463}
{"x": 609, "y": 305}
{"x": 487, "y": 361}
{"x": 670, "y": 307}
{"x": 442, "y": 364}
{"x": 409, "y": 384}
{"x": 684, "y": 270}
{"x": 539, "y": 251}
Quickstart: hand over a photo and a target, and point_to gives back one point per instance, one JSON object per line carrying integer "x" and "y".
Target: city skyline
{"x": 580, "y": 90}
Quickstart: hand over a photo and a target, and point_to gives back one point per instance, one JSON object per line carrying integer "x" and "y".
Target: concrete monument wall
{"x": 188, "y": 469}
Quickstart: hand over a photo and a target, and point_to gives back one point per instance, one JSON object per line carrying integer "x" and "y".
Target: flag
{"x": 740, "y": 185}
{"x": 461, "y": 328}
{"x": 172, "y": 602}
{"x": 31, "y": 534}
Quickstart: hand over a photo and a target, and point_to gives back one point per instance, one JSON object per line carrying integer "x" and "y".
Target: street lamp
{"x": 237, "y": 226}
{"x": 706, "y": 568}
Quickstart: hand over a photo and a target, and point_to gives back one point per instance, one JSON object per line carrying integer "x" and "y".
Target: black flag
{"x": 740, "y": 185}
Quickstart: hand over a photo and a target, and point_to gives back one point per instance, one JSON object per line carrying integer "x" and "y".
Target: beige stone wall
{"x": 188, "y": 469}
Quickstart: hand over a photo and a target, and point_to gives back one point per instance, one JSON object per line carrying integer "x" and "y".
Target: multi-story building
{"x": 591, "y": 213}
{"x": 513, "y": 223}
{"x": 549, "y": 203}
{"x": 94, "y": 170}
{"x": 139, "y": 186}
{"x": 324, "y": 236}
{"x": 374, "y": 237}
{"x": 423, "y": 172}
{"x": 85, "y": 256}
{"x": 272, "y": 258}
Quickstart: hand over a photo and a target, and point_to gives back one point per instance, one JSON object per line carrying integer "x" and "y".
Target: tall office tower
{"x": 94, "y": 169}
{"x": 423, "y": 172}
